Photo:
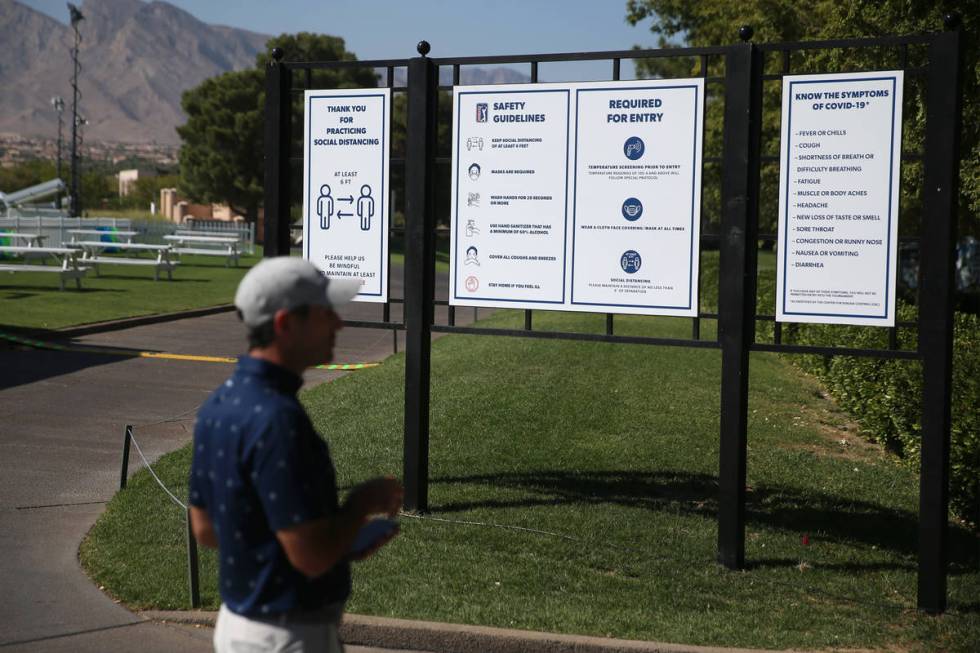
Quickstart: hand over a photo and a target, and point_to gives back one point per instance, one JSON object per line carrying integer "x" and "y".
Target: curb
{"x": 383, "y": 632}
{"x": 116, "y": 325}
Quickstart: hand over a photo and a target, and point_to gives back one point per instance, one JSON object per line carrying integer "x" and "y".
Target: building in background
{"x": 128, "y": 179}
{"x": 180, "y": 211}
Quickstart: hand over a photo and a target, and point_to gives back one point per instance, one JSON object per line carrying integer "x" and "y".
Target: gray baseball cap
{"x": 288, "y": 282}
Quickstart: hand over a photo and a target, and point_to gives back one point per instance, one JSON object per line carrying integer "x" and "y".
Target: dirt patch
{"x": 840, "y": 434}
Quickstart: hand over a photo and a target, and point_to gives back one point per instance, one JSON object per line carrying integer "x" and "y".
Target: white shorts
{"x": 234, "y": 633}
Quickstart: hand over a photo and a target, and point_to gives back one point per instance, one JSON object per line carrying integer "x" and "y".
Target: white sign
{"x": 510, "y": 187}
{"x": 839, "y": 188}
{"x": 580, "y": 197}
{"x": 636, "y": 208}
{"x": 345, "y": 186}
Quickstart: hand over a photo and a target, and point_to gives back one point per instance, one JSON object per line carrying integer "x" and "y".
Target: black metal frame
{"x": 742, "y": 160}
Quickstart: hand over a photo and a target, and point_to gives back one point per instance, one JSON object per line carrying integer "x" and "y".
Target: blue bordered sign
{"x": 345, "y": 186}
{"x": 510, "y": 182}
{"x": 553, "y": 188}
{"x": 838, "y": 214}
{"x": 615, "y": 125}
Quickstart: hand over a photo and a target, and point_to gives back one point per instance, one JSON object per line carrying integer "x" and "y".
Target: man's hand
{"x": 378, "y": 496}
{"x": 316, "y": 546}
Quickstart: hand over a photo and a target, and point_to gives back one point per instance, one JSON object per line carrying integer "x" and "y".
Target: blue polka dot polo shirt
{"x": 259, "y": 467}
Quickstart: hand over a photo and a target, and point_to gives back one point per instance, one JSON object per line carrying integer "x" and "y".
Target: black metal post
{"x": 938, "y": 242}
{"x": 278, "y": 140}
{"x": 193, "y": 573}
{"x": 736, "y": 323}
{"x": 125, "y": 457}
{"x": 423, "y": 79}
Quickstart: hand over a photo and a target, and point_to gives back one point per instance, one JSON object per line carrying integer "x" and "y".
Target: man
{"x": 263, "y": 488}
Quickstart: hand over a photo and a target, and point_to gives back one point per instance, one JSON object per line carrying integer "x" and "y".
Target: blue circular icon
{"x": 630, "y": 261}
{"x": 632, "y": 209}
{"x": 634, "y": 148}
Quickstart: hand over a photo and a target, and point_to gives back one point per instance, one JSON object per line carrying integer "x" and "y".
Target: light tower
{"x": 59, "y": 105}
{"x": 76, "y": 200}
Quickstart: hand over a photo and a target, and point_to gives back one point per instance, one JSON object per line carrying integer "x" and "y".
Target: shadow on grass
{"x": 824, "y": 516}
{"x": 163, "y": 279}
{"x": 30, "y": 291}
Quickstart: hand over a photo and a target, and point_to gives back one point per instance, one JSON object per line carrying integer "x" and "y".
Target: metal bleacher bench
{"x": 92, "y": 256}
{"x": 68, "y": 268}
{"x": 29, "y": 240}
{"x": 221, "y": 246}
{"x": 75, "y": 233}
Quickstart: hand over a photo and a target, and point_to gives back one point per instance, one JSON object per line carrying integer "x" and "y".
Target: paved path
{"x": 62, "y": 417}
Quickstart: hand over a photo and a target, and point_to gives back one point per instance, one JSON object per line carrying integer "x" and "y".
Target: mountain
{"x": 137, "y": 58}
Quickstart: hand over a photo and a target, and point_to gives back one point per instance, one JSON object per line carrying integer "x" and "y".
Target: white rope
{"x": 153, "y": 474}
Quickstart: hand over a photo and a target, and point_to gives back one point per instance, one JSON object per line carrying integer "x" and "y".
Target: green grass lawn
{"x": 573, "y": 489}
{"x": 32, "y": 299}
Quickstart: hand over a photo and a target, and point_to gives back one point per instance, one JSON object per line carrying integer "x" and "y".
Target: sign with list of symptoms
{"x": 345, "y": 186}
{"x": 839, "y": 190}
{"x": 578, "y": 197}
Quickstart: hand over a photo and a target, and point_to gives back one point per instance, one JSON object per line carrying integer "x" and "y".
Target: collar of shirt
{"x": 274, "y": 375}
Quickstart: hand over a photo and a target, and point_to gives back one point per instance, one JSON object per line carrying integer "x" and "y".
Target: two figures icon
{"x": 325, "y": 207}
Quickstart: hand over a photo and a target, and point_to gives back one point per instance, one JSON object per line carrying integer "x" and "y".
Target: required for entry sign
{"x": 581, "y": 197}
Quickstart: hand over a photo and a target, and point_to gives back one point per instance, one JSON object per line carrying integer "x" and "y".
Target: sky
{"x": 389, "y": 29}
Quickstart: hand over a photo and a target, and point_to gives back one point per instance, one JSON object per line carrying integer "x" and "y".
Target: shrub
{"x": 885, "y": 396}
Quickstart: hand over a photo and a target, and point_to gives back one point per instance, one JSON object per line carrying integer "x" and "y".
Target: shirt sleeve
{"x": 288, "y": 469}
{"x": 197, "y": 487}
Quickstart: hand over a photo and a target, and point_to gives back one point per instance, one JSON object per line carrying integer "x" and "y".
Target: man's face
{"x": 310, "y": 340}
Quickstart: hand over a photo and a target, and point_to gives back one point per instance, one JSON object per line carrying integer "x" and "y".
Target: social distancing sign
{"x": 345, "y": 186}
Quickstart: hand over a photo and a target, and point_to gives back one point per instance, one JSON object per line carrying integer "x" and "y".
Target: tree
{"x": 221, "y": 155}
{"x": 714, "y": 22}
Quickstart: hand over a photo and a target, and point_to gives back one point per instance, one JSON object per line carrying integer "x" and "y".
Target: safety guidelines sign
{"x": 345, "y": 186}
{"x": 580, "y": 197}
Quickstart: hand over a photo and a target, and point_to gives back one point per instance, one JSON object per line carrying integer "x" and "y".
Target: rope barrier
{"x": 154, "y": 474}
{"x": 193, "y": 571}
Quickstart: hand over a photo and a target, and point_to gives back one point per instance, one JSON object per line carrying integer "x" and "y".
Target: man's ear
{"x": 282, "y": 322}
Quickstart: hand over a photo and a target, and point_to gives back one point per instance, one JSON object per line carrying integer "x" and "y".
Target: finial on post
{"x": 952, "y": 21}
{"x": 277, "y": 55}
{"x": 423, "y": 48}
{"x": 746, "y": 32}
